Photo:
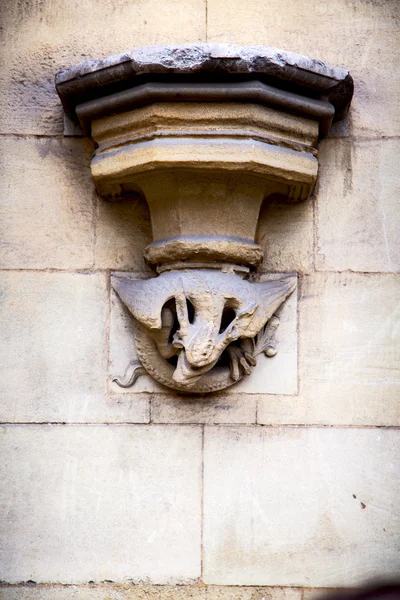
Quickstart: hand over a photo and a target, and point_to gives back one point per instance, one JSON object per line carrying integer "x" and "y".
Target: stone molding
{"x": 204, "y": 133}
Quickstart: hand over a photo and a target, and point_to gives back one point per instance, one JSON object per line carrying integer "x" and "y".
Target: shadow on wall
{"x": 373, "y": 591}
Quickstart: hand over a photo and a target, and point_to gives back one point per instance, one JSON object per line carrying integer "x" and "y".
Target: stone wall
{"x": 245, "y": 495}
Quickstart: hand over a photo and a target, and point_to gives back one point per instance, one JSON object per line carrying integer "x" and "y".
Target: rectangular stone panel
{"x": 276, "y": 375}
{"x": 313, "y": 507}
{"x": 123, "y": 231}
{"x": 215, "y": 592}
{"x": 360, "y": 36}
{"x": 286, "y": 233}
{"x": 349, "y": 353}
{"x": 46, "y": 203}
{"x": 53, "y": 361}
{"x": 358, "y": 206}
{"x": 271, "y": 375}
{"x": 123, "y": 350}
{"x": 40, "y": 39}
{"x": 93, "y": 503}
{"x": 211, "y": 408}
{"x": 147, "y": 592}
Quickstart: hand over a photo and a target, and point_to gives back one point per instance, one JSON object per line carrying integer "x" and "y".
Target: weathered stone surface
{"x": 331, "y": 88}
{"x": 182, "y": 592}
{"x": 215, "y": 408}
{"x": 122, "y": 233}
{"x": 228, "y": 58}
{"x": 276, "y": 375}
{"x": 46, "y": 203}
{"x": 192, "y": 117}
{"x": 358, "y": 35}
{"x": 70, "y": 592}
{"x": 313, "y": 507}
{"x": 123, "y": 350}
{"x": 54, "y": 351}
{"x": 349, "y": 353}
{"x": 358, "y": 206}
{"x": 84, "y": 503}
{"x": 286, "y": 233}
{"x": 53, "y": 355}
{"x": 251, "y": 593}
{"x": 147, "y": 592}
{"x": 40, "y": 39}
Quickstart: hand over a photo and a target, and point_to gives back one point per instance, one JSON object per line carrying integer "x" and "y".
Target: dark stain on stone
{"x": 347, "y": 167}
{"x": 363, "y": 505}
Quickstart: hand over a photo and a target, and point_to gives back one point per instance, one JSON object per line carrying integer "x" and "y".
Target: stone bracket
{"x": 204, "y": 133}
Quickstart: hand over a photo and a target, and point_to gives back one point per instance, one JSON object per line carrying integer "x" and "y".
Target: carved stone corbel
{"x": 205, "y": 133}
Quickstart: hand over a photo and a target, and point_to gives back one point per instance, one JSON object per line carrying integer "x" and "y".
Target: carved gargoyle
{"x": 200, "y": 330}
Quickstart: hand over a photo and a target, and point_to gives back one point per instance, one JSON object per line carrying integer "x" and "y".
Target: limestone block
{"x": 70, "y": 592}
{"x": 165, "y": 592}
{"x": 123, "y": 231}
{"x": 123, "y": 350}
{"x": 215, "y": 592}
{"x": 358, "y": 207}
{"x": 147, "y": 592}
{"x": 357, "y": 35}
{"x": 46, "y": 203}
{"x": 286, "y": 232}
{"x": 276, "y": 375}
{"x": 215, "y": 408}
{"x": 38, "y": 40}
{"x": 108, "y": 592}
{"x": 314, "y": 506}
{"x": 54, "y": 350}
{"x": 95, "y": 503}
{"x": 350, "y": 353}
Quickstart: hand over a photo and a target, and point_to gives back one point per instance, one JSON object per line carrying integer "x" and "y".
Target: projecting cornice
{"x": 206, "y": 73}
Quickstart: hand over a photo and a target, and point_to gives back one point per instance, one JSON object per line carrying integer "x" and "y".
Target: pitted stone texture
{"x": 349, "y": 353}
{"x": 313, "y": 507}
{"x": 100, "y": 502}
{"x": 218, "y": 408}
{"x": 122, "y": 233}
{"x": 251, "y": 593}
{"x": 70, "y": 592}
{"x": 194, "y": 58}
{"x": 358, "y": 206}
{"x": 358, "y": 35}
{"x": 41, "y": 39}
{"x": 46, "y": 203}
{"x": 147, "y": 592}
{"x": 53, "y": 355}
{"x": 286, "y": 233}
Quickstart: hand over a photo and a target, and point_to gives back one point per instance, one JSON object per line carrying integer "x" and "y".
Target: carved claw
{"x": 265, "y": 339}
{"x": 133, "y": 371}
{"x": 240, "y": 359}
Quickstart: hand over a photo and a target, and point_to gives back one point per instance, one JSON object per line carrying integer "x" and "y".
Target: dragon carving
{"x": 201, "y": 330}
